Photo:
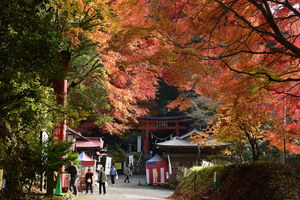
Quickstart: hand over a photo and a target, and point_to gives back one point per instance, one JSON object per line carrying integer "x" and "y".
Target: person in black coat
{"x": 89, "y": 181}
{"x": 73, "y": 171}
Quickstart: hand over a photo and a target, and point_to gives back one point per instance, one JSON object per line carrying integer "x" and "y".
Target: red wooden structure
{"x": 159, "y": 123}
{"x": 60, "y": 89}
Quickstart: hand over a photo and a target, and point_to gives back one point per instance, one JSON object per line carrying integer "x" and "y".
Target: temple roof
{"x": 82, "y": 141}
{"x": 162, "y": 118}
{"x": 190, "y": 133}
{"x": 177, "y": 142}
{"x": 182, "y": 141}
{"x": 93, "y": 142}
{"x": 155, "y": 158}
{"x": 76, "y": 133}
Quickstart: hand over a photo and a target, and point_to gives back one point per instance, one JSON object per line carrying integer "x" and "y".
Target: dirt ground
{"x": 130, "y": 191}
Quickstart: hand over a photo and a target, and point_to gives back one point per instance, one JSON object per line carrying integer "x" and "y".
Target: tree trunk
{"x": 50, "y": 184}
{"x": 254, "y": 146}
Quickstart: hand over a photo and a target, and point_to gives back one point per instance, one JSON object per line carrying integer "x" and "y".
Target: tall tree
{"x": 109, "y": 56}
{"x": 29, "y": 55}
{"x": 211, "y": 45}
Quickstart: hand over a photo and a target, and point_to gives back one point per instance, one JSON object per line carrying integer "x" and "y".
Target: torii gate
{"x": 159, "y": 123}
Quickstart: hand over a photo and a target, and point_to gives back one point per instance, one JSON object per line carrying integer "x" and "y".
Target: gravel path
{"x": 127, "y": 191}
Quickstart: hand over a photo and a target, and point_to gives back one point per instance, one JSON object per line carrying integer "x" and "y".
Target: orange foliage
{"x": 228, "y": 49}
{"x": 120, "y": 58}
{"x": 243, "y": 54}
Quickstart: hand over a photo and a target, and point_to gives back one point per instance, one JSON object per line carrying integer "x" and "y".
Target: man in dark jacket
{"x": 89, "y": 181}
{"x": 73, "y": 171}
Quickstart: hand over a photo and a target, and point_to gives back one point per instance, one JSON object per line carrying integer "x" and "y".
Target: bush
{"x": 258, "y": 181}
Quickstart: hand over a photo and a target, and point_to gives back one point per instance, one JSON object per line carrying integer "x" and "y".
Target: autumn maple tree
{"x": 109, "y": 73}
{"x": 212, "y": 45}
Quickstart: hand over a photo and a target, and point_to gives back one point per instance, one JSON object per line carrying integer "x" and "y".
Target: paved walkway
{"x": 127, "y": 191}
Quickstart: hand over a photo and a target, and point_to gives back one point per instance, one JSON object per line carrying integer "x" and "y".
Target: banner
{"x": 170, "y": 166}
{"x": 107, "y": 165}
{"x": 139, "y": 143}
{"x": 130, "y": 160}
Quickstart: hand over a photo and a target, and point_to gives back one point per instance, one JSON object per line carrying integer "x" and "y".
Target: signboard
{"x": 118, "y": 165}
{"x": 206, "y": 164}
{"x": 44, "y": 136}
{"x": 107, "y": 165}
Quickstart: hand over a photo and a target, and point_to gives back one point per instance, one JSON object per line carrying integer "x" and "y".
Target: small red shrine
{"x": 156, "y": 170}
{"x": 160, "y": 123}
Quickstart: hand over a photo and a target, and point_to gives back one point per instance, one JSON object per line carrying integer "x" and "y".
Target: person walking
{"x": 73, "y": 171}
{"x": 89, "y": 181}
{"x": 113, "y": 174}
{"x": 127, "y": 173}
{"x": 102, "y": 180}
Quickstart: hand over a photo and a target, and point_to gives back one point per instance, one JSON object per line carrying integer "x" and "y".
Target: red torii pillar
{"x": 61, "y": 92}
{"x": 147, "y": 127}
{"x": 60, "y": 89}
{"x": 146, "y": 146}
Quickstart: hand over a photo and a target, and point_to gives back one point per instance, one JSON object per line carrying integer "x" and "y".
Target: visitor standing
{"x": 89, "y": 181}
{"x": 127, "y": 173}
{"x": 102, "y": 180}
{"x": 73, "y": 171}
{"x": 113, "y": 174}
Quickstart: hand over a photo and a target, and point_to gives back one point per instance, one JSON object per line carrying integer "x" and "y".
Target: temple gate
{"x": 159, "y": 123}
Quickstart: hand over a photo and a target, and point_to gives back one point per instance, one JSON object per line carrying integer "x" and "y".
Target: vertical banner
{"x": 130, "y": 160}
{"x": 139, "y": 143}
{"x": 148, "y": 175}
{"x": 162, "y": 175}
{"x": 170, "y": 166}
{"x": 107, "y": 165}
{"x": 44, "y": 139}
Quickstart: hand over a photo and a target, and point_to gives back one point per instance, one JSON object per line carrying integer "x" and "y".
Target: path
{"x": 128, "y": 191}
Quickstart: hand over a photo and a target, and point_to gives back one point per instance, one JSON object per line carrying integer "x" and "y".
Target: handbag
{"x": 89, "y": 180}
{"x": 117, "y": 176}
